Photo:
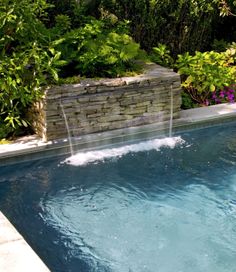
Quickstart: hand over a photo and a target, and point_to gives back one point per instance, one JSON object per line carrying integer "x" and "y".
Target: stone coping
{"x": 206, "y": 113}
{"x": 15, "y": 254}
{"x": 192, "y": 118}
{"x": 152, "y": 74}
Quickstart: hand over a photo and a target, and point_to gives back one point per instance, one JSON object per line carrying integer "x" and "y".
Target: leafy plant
{"x": 62, "y": 24}
{"x": 184, "y": 25}
{"x": 20, "y": 23}
{"x": 21, "y": 77}
{"x": 27, "y": 60}
{"x": 161, "y": 55}
{"x": 94, "y": 50}
{"x": 187, "y": 101}
{"x": 72, "y": 9}
{"x": 219, "y": 45}
{"x": 205, "y": 73}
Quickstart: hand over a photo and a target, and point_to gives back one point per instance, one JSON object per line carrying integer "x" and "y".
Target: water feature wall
{"x": 108, "y": 104}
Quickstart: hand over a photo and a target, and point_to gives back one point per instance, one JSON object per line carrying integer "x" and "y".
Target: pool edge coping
{"x": 16, "y": 254}
{"x": 197, "y": 117}
{"x": 188, "y": 118}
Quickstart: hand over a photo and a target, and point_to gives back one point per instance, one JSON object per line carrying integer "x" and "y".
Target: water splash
{"x": 84, "y": 158}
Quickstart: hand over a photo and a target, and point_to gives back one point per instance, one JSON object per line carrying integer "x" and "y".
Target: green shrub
{"x": 20, "y": 24}
{"x": 27, "y": 61}
{"x": 62, "y": 24}
{"x": 72, "y": 9}
{"x": 187, "y": 101}
{"x": 21, "y": 77}
{"x": 206, "y": 72}
{"x": 219, "y": 45}
{"x": 183, "y": 25}
{"x": 161, "y": 55}
{"x": 97, "y": 50}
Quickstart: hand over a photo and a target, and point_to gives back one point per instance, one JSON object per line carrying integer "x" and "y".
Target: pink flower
{"x": 222, "y": 94}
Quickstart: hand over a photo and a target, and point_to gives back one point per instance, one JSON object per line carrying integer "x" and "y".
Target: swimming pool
{"x": 156, "y": 206}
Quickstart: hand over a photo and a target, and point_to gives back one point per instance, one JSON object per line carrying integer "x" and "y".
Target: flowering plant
{"x": 205, "y": 75}
{"x": 223, "y": 96}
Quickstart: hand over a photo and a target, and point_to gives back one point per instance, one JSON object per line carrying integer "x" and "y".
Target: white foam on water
{"x": 84, "y": 158}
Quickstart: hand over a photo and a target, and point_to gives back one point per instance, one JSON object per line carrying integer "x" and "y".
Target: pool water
{"x": 155, "y": 206}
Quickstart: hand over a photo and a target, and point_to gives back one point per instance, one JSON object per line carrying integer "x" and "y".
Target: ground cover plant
{"x": 46, "y": 42}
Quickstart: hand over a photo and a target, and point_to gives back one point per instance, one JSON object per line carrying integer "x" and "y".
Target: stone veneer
{"x": 107, "y": 104}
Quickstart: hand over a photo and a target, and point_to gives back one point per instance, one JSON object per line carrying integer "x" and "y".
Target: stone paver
{"x": 15, "y": 254}
{"x": 207, "y": 113}
{"x": 23, "y": 143}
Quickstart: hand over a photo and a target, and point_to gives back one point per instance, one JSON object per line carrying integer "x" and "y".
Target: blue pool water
{"x": 156, "y": 206}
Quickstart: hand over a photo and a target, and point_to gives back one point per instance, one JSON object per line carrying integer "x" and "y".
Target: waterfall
{"x": 68, "y": 130}
{"x": 171, "y": 111}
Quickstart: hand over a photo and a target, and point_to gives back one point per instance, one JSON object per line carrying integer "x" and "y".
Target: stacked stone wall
{"x": 108, "y": 104}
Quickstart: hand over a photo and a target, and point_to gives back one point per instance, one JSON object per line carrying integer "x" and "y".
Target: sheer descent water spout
{"x": 68, "y": 130}
{"x": 171, "y": 111}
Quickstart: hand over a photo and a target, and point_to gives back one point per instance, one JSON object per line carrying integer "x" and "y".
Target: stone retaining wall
{"x": 107, "y": 104}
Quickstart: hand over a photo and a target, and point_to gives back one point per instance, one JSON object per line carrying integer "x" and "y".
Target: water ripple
{"x": 122, "y": 228}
